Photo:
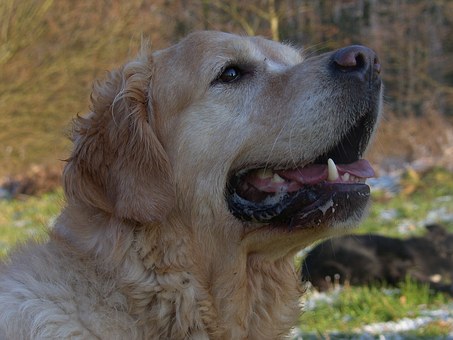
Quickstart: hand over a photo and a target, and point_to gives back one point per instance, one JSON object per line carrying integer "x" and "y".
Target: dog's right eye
{"x": 230, "y": 74}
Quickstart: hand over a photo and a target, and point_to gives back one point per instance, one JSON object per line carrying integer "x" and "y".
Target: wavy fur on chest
{"x": 143, "y": 285}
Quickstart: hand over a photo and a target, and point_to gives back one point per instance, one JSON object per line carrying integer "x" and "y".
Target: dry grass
{"x": 401, "y": 140}
{"x": 51, "y": 51}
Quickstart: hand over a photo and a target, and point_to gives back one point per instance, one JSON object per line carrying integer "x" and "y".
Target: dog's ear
{"x": 118, "y": 163}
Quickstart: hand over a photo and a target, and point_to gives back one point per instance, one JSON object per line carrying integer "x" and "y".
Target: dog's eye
{"x": 230, "y": 74}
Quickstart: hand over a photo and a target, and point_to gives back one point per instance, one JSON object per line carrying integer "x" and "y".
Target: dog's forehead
{"x": 275, "y": 51}
{"x": 200, "y": 58}
{"x": 215, "y": 48}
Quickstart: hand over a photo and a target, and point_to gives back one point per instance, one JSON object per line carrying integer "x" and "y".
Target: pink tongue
{"x": 361, "y": 168}
{"x": 310, "y": 174}
{"x": 315, "y": 173}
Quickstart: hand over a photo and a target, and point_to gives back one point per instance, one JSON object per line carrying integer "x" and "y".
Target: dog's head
{"x": 238, "y": 135}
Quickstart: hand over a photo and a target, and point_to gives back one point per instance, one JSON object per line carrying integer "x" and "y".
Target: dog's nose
{"x": 357, "y": 60}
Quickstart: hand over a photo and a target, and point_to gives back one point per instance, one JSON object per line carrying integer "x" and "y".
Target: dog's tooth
{"x": 277, "y": 179}
{"x": 265, "y": 174}
{"x": 346, "y": 177}
{"x": 332, "y": 170}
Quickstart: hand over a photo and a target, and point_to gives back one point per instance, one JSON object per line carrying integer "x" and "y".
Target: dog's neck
{"x": 235, "y": 295}
{"x": 261, "y": 298}
{"x": 180, "y": 289}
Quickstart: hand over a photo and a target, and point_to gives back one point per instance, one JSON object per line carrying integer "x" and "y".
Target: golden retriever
{"x": 199, "y": 173}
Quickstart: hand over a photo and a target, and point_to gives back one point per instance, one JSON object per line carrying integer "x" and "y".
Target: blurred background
{"x": 51, "y": 52}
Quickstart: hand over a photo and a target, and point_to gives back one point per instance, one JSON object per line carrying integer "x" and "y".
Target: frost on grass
{"x": 409, "y": 324}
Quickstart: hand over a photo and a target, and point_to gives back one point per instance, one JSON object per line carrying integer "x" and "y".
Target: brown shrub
{"x": 425, "y": 141}
{"x": 36, "y": 180}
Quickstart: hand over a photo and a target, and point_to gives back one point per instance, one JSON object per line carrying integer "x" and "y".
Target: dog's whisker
{"x": 313, "y": 50}
{"x": 293, "y": 125}
{"x": 274, "y": 144}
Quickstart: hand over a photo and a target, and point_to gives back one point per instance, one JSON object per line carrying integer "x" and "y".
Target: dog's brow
{"x": 274, "y": 66}
{"x": 239, "y": 60}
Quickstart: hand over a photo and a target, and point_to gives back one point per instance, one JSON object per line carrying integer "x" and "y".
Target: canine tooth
{"x": 332, "y": 169}
{"x": 277, "y": 179}
{"x": 265, "y": 173}
{"x": 346, "y": 177}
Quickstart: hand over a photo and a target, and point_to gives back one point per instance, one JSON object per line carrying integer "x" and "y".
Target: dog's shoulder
{"x": 46, "y": 292}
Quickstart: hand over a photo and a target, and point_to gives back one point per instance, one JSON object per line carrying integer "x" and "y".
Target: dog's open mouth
{"x": 307, "y": 196}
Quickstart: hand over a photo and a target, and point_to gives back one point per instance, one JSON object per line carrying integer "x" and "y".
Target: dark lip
{"x": 308, "y": 207}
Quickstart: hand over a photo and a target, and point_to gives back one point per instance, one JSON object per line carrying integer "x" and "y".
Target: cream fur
{"x": 146, "y": 247}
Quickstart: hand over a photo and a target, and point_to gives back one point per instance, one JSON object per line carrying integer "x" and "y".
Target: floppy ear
{"x": 118, "y": 163}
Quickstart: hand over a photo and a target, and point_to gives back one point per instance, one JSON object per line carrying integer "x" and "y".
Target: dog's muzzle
{"x": 332, "y": 186}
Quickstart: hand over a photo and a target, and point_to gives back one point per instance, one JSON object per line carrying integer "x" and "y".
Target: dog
{"x": 376, "y": 259}
{"x": 199, "y": 173}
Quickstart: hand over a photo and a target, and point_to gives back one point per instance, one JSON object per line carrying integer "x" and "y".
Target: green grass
{"x": 354, "y": 307}
{"x": 424, "y": 198}
{"x": 26, "y": 218}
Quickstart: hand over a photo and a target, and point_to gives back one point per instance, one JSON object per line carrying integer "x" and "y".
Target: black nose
{"x": 357, "y": 60}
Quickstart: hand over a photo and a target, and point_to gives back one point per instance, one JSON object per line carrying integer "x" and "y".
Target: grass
{"x": 421, "y": 196}
{"x": 423, "y": 199}
{"x": 50, "y": 53}
{"x": 28, "y": 217}
{"x": 355, "y": 307}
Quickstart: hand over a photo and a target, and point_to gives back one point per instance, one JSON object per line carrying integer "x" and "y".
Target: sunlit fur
{"x": 146, "y": 247}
